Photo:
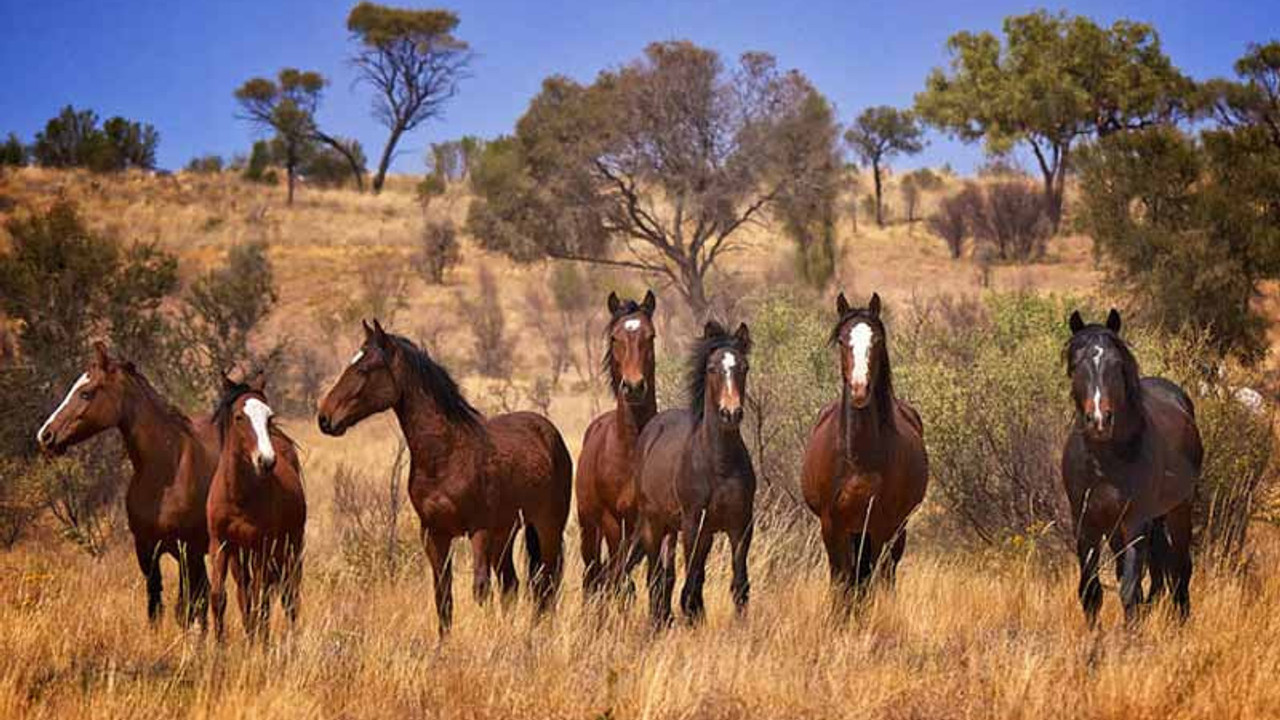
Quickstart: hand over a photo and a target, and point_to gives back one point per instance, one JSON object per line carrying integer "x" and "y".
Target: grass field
{"x": 963, "y": 635}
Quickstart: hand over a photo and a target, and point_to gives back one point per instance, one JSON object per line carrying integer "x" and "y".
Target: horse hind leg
{"x": 1178, "y": 527}
{"x": 196, "y": 586}
{"x": 480, "y": 566}
{"x": 662, "y": 578}
{"x": 592, "y": 568}
{"x": 291, "y": 587}
{"x": 1158, "y": 560}
{"x": 544, "y": 545}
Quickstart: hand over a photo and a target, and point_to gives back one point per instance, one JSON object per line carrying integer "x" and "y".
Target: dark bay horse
{"x": 865, "y": 467}
{"x": 173, "y": 461}
{"x": 256, "y": 511}
{"x": 605, "y": 485}
{"x": 1130, "y": 466}
{"x": 695, "y": 478}
{"x": 469, "y": 475}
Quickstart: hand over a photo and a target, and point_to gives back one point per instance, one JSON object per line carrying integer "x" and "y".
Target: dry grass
{"x": 961, "y": 636}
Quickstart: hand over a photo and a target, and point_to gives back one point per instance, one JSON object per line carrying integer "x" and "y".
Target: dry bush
{"x": 438, "y": 251}
{"x": 491, "y": 348}
{"x": 366, "y": 512}
{"x": 949, "y": 223}
{"x": 83, "y": 492}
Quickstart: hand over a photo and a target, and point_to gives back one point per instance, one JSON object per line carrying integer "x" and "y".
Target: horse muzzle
{"x": 731, "y": 416}
{"x": 634, "y": 392}
{"x": 328, "y": 427}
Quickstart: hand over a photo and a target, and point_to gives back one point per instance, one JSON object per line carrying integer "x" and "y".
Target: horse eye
{"x": 86, "y": 394}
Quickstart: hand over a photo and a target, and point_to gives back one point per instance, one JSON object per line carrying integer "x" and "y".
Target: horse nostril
{"x": 325, "y": 427}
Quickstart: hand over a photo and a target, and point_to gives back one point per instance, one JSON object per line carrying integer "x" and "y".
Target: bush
{"x": 1006, "y": 218}
{"x": 491, "y": 349}
{"x": 205, "y": 164}
{"x": 949, "y": 224}
{"x": 258, "y": 169}
{"x": 366, "y": 513}
{"x": 13, "y": 153}
{"x": 438, "y": 251}
{"x": 73, "y": 139}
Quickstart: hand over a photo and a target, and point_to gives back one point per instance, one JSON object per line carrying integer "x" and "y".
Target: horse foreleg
{"x": 437, "y": 549}
{"x": 480, "y": 540}
{"x": 740, "y": 542}
{"x": 589, "y": 547}
{"x": 1178, "y": 526}
{"x": 839, "y": 560}
{"x": 1135, "y": 568}
{"x": 503, "y": 560}
{"x": 544, "y": 541}
{"x": 695, "y": 539}
{"x": 290, "y": 593}
{"x": 149, "y": 562}
{"x": 218, "y": 591}
{"x": 889, "y": 568}
{"x": 1090, "y": 588}
{"x": 1157, "y": 559}
{"x": 238, "y": 565}
{"x": 197, "y": 586}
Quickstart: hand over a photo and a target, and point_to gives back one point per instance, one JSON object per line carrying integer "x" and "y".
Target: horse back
{"x": 533, "y": 460}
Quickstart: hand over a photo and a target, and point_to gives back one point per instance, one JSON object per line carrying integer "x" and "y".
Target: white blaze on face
{"x": 1097, "y": 384}
{"x": 357, "y": 357}
{"x": 79, "y": 383}
{"x": 727, "y": 363}
{"x": 631, "y": 325}
{"x": 259, "y": 414}
{"x": 860, "y": 337}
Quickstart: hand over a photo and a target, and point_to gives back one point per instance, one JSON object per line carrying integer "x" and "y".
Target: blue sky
{"x": 175, "y": 63}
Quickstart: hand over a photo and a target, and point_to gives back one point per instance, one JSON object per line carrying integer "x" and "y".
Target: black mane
{"x": 1091, "y": 335}
{"x": 883, "y": 391}
{"x": 696, "y": 381}
{"x": 231, "y": 392}
{"x": 607, "y": 367}
{"x": 437, "y": 383}
{"x": 160, "y": 401}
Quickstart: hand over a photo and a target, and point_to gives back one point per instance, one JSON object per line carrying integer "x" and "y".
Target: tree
{"x": 73, "y": 139}
{"x": 414, "y": 64}
{"x": 1191, "y": 229}
{"x": 655, "y": 166}
{"x": 286, "y": 106}
{"x": 222, "y": 309}
{"x": 877, "y": 135}
{"x": 807, "y": 148}
{"x": 13, "y": 153}
{"x": 129, "y": 144}
{"x": 1054, "y": 80}
{"x": 1254, "y": 101}
{"x": 328, "y": 166}
{"x": 913, "y": 184}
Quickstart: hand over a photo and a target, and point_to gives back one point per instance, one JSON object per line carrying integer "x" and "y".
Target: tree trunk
{"x": 387, "y": 153}
{"x": 696, "y": 294}
{"x": 289, "y": 175}
{"x": 875, "y": 171}
{"x": 357, "y": 172}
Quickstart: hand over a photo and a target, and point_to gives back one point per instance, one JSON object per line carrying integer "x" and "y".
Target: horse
{"x": 468, "y": 475}
{"x": 865, "y": 467}
{"x": 604, "y": 486}
{"x": 695, "y": 478}
{"x": 173, "y": 462}
{"x": 256, "y": 510}
{"x": 1130, "y": 466}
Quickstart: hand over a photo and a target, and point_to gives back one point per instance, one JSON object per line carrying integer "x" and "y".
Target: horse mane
{"x": 696, "y": 380}
{"x": 166, "y": 408}
{"x": 883, "y": 391}
{"x": 1091, "y": 334}
{"x": 607, "y": 367}
{"x": 437, "y": 383}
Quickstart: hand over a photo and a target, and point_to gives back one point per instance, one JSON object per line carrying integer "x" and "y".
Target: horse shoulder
{"x": 820, "y": 456}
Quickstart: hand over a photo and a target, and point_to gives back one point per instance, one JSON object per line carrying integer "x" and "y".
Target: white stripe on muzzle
{"x": 259, "y": 414}
{"x": 80, "y": 382}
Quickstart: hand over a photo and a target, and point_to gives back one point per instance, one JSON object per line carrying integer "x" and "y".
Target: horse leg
{"x": 544, "y": 544}
{"x": 696, "y": 539}
{"x": 503, "y": 559}
{"x": 889, "y": 568}
{"x": 149, "y": 561}
{"x": 839, "y": 559}
{"x": 1090, "y": 588}
{"x": 197, "y": 586}
{"x": 592, "y": 569}
{"x": 1158, "y": 559}
{"x": 740, "y": 587}
{"x": 263, "y": 586}
{"x": 238, "y": 563}
{"x": 480, "y": 566}
{"x": 290, "y": 593}
{"x": 662, "y": 579}
{"x": 218, "y": 591}
{"x": 866, "y": 554}
{"x": 616, "y": 541}
{"x": 1178, "y": 526}
{"x": 437, "y": 548}
{"x": 1135, "y": 568}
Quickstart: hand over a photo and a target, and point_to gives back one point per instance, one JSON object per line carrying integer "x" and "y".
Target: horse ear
{"x": 1113, "y": 321}
{"x": 712, "y": 328}
{"x": 743, "y": 335}
{"x": 227, "y": 383}
{"x": 874, "y": 305}
{"x": 649, "y": 303}
{"x": 368, "y": 331}
{"x": 379, "y": 335}
{"x": 258, "y": 383}
{"x": 842, "y": 305}
{"x": 101, "y": 358}
{"x": 614, "y": 303}
{"x": 1076, "y": 322}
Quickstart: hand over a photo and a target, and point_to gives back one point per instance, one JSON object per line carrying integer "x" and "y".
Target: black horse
{"x": 1130, "y": 466}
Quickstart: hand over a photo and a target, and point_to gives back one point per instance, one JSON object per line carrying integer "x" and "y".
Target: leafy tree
{"x": 328, "y": 167}
{"x": 414, "y": 64}
{"x": 1190, "y": 228}
{"x": 877, "y": 135}
{"x": 806, "y": 148}
{"x": 73, "y": 139}
{"x": 1254, "y": 101}
{"x": 13, "y": 153}
{"x": 655, "y": 166}
{"x": 286, "y": 106}
{"x": 915, "y": 183}
{"x": 129, "y": 145}
{"x": 206, "y": 164}
{"x": 258, "y": 168}
{"x": 1053, "y": 80}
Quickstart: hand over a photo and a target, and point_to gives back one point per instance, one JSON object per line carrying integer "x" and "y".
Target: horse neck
{"x": 863, "y": 431}
{"x": 632, "y": 417}
{"x": 239, "y": 469}
{"x": 430, "y": 436}
{"x": 152, "y": 437}
{"x": 723, "y": 444}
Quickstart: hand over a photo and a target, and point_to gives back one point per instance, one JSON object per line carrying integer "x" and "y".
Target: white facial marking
{"x": 80, "y": 382}
{"x": 631, "y": 325}
{"x": 860, "y": 344}
{"x": 1097, "y": 357}
{"x": 356, "y": 358}
{"x": 728, "y": 362}
{"x": 259, "y": 414}
{"x": 1097, "y": 405}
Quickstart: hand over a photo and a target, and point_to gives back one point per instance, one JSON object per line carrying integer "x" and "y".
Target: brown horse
{"x": 695, "y": 478}
{"x": 604, "y": 483}
{"x": 173, "y": 461}
{"x": 1130, "y": 466}
{"x": 256, "y": 510}
{"x": 865, "y": 467}
{"x": 468, "y": 474}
